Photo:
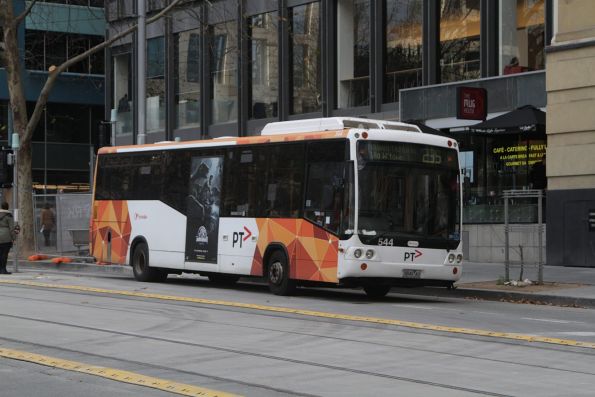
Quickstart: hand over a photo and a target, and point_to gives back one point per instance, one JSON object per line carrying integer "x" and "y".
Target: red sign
{"x": 472, "y": 103}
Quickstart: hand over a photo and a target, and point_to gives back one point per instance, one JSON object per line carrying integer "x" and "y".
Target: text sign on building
{"x": 592, "y": 220}
{"x": 472, "y": 103}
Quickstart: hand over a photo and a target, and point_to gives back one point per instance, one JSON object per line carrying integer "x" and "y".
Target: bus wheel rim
{"x": 276, "y": 272}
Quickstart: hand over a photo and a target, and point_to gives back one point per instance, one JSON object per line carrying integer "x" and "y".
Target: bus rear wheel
{"x": 377, "y": 291}
{"x": 278, "y": 275}
{"x": 140, "y": 265}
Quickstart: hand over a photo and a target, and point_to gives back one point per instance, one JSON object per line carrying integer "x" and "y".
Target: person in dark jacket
{"x": 7, "y": 236}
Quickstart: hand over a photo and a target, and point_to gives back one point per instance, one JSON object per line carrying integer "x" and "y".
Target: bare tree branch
{"x": 53, "y": 74}
{"x": 24, "y": 14}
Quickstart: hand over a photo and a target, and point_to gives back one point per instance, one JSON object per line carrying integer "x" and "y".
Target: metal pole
{"x": 15, "y": 196}
{"x": 141, "y": 73}
{"x": 45, "y": 151}
{"x": 506, "y": 241}
{"x": 540, "y": 236}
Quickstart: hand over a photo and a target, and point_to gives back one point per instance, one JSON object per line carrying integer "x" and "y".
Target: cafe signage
{"x": 472, "y": 103}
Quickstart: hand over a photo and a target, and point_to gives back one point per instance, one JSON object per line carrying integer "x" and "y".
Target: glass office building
{"x": 227, "y": 68}
{"x": 62, "y": 142}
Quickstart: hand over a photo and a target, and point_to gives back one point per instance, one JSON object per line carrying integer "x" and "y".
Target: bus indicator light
{"x": 365, "y": 135}
{"x": 364, "y": 266}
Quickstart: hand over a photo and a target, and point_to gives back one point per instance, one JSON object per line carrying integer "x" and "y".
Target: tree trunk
{"x": 24, "y": 125}
{"x": 18, "y": 105}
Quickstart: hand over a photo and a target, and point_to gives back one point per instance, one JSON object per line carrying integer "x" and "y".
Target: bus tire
{"x": 140, "y": 265}
{"x": 223, "y": 279}
{"x": 278, "y": 275}
{"x": 377, "y": 291}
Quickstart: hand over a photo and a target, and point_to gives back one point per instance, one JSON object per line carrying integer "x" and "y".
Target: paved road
{"x": 245, "y": 341}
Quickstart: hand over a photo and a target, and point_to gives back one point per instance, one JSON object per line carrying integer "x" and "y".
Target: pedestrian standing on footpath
{"x": 7, "y": 236}
{"x": 48, "y": 221}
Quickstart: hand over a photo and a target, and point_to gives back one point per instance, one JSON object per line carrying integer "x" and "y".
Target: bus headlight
{"x": 459, "y": 258}
{"x": 369, "y": 254}
{"x": 451, "y": 258}
{"x": 357, "y": 253}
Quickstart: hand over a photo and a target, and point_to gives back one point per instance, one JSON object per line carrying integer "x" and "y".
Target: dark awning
{"x": 526, "y": 120}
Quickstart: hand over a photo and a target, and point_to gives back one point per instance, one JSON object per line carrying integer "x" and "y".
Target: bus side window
{"x": 325, "y": 195}
{"x": 325, "y": 184}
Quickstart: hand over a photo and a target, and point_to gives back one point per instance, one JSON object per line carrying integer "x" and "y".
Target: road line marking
{"x": 312, "y": 313}
{"x": 113, "y": 374}
{"x": 548, "y": 320}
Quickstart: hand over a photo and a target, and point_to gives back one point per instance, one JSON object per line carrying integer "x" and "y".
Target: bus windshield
{"x": 408, "y": 192}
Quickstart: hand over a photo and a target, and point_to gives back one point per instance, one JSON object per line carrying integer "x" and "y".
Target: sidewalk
{"x": 563, "y": 286}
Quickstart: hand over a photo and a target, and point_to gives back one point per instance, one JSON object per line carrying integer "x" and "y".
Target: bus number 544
{"x": 387, "y": 242}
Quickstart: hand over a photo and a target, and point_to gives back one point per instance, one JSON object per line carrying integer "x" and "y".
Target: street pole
{"x": 141, "y": 73}
{"x": 15, "y": 196}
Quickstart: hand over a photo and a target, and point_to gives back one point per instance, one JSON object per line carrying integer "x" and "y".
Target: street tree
{"x": 25, "y": 124}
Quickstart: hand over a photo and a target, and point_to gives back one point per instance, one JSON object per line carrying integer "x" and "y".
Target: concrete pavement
{"x": 564, "y": 286}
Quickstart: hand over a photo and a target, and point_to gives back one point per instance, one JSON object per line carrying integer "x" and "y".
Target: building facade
{"x": 62, "y": 142}
{"x": 571, "y": 136}
{"x": 227, "y": 68}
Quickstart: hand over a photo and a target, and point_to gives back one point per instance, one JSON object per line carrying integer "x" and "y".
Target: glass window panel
{"x": 494, "y": 164}
{"x": 459, "y": 40}
{"x": 224, "y": 60}
{"x": 155, "y": 95}
{"x": 353, "y": 53}
{"x": 78, "y": 44}
{"x": 187, "y": 76}
{"x": 284, "y": 176}
{"x": 3, "y": 121}
{"x": 264, "y": 65}
{"x": 34, "y": 50}
{"x": 305, "y": 69}
{"x": 522, "y": 36}
{"x": 97, "y": 65}
{"x": 123, "y": 99}
{"x": 404, "y": 21}
{"x": 55, "y": 48}
{"x": 67, "y": 123}
{"x": 2, "y": 47}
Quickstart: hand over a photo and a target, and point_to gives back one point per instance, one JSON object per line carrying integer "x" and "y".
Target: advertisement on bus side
{"x": 203, "y": 204}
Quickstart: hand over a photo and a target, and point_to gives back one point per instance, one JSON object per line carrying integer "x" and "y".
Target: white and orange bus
{"x": 344, "y": 201}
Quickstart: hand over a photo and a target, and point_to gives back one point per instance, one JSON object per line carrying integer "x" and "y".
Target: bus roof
{"x": 283, "y": 131}
{"x": 333, "y": 123}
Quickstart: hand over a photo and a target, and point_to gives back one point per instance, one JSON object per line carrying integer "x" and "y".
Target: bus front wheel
{"x": 377, "y": 291}
{"x": 278, "y": 275}
{"x": 140, "y": 265}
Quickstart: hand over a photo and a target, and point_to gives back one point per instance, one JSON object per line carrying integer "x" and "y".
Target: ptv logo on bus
{"x": 411, "y": 255}
{"x": 240, "y": 237}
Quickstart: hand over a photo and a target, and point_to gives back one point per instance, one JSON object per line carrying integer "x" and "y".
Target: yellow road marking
{"x": 312, "y": 313}
{"x": 113, "y": 374}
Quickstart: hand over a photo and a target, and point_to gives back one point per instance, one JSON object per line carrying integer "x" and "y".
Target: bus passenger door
{"x": 238, "y": 239}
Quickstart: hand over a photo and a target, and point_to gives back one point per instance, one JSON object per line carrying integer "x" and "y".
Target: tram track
{"x": 176, "y": 312}
{"x": 173, "y": 318}
{"x": 488, "y": 336}
{"x": 220, "y": 349}
{"x": 240, "y": 352}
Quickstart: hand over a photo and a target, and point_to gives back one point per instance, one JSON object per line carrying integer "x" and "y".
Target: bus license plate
{"x": 411, "y": 273}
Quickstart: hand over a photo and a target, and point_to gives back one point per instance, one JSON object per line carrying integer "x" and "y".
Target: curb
{"x": 503, "y": 296}
{"x": 76, "y": 267}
